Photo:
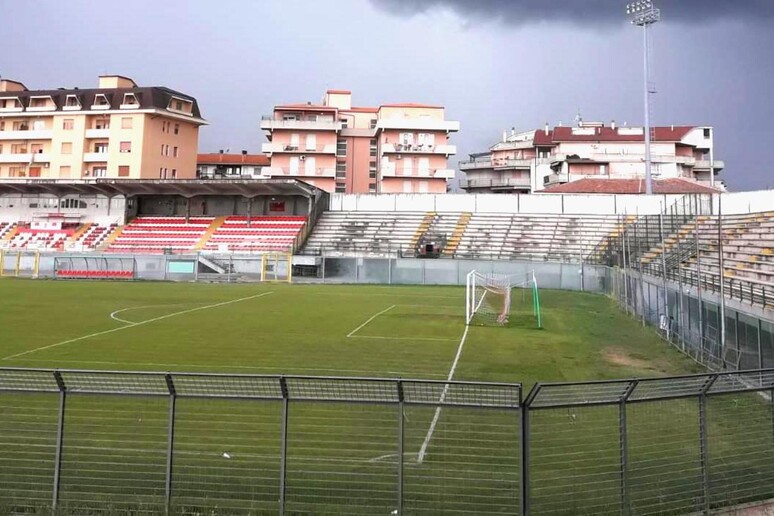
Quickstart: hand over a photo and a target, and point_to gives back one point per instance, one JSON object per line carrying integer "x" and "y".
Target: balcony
{"x": 27, "y": 134}
{"x": 389, "y": 170}
{"x": 419, "y": 124}
{"x": 16, "y": 158}
{"x": 269, "y": 124}
{"x": 40, "y": 157}
{"x": 704, "y": 164}
{"x": 554, "y": 179}
{"x": 300, "y": 172}
{"x": 446, "y": 150}
{"x": 95, "y": 157}
{"x": 500, "y": 183}
{"x": 497, "y": 163}
{"x": 270, "y": 148}
{"x": 98, "y": 133}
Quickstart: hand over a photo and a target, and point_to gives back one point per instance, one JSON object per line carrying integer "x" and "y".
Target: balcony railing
{"x": 268, "y": 123}
{"x": 704, "y": 164}
{"x": 496, "y": 163}
{"x": 431, "y": 173}
{"x": 16, "y": 158}
{"x": 399, "y": 148}
{"x": 98, "y": 133}
{"x": 299, "y": 172}
{"x": 27, "y": 134}
{"x": 418, "y": 124}
{"x": 95, "y": 157}
{"x": 510, "y": 182}
{"x": 302, "y": 148}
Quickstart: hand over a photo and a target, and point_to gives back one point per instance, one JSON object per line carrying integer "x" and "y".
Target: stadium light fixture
{"x": 644, "y": 14}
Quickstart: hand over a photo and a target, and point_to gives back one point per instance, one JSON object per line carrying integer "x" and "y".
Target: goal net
{"x": 502, "y": 300}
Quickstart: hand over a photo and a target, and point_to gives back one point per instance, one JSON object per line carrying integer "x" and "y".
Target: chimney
{"x": 612, "y": 125}
{"x": 244, "y": 153}
{"x": 560, "y": 123}
{"x": 505, "y": 136}
{"x": 546, "y": 129}
{"x": 220, "y": 151}
{"x": 513, "y": 131}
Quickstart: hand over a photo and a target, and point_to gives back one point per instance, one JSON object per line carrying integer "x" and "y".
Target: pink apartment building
{"x": 531, "y": 161}
{"x": 340, "y": 148}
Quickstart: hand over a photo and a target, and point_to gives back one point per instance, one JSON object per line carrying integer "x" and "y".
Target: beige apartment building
{"x": 393, "y": 148}
{"x": 118, "y": 130}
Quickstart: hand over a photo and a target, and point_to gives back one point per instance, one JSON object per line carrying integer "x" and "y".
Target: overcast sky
{"x": 494, "y": 64}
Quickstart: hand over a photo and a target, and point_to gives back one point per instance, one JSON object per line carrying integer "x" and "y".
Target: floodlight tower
{"x": 644, "y": 14}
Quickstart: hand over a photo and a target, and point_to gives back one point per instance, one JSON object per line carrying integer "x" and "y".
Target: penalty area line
{"x": 133, "y": 325}
{"x": 352, "y": 333}
{"x": 437, "y": 415}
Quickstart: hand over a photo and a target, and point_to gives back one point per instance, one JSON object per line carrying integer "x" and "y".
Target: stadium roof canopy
{"x": 182, "y": 187}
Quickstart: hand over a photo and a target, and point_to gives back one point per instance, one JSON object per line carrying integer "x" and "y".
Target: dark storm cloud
{"x": 587, "y": 11}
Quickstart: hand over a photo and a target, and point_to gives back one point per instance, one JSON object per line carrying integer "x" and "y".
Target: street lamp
{"x": 644, "y": 14}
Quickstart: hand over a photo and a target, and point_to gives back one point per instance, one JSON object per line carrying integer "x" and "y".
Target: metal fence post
{"x": 59, "y": 439}
{"x": 624, "y": 444}
{"x": 283, "y": 444}
{"x": 400, "y": 447}
{"x": 525, "y": 436}
{"x": 704, "y": 454}
{"x": 170, "y": 441}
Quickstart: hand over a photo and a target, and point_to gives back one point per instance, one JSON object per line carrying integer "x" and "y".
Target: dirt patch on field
{"x": 618, "y": 357}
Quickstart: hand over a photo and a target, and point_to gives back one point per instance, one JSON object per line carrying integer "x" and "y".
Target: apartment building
{"x": 531, "y": 161}
{"x": 223, "y": 165}
{"x": 117, "y": 130}
{"x": 343, "y": 148}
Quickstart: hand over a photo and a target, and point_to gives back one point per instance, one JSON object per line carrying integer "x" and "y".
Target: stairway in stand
{"x": 454, "y": 241}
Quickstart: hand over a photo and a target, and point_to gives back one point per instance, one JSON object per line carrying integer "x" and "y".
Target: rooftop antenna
{"x": 579, "y": 118}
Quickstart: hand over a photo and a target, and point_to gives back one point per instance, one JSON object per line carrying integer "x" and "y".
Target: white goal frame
{"x": 475, "y": 279}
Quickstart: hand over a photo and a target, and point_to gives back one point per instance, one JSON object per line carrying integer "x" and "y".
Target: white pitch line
{"x": 426, "y": 442}
{"x": 113, "y": 314}
{"x": 400, "y": 338}
{"x": 370, "y": 319}
{"x": 132, "y": 325}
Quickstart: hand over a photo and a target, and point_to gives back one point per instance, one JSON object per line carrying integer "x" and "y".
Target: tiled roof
{"x": 591, "y": 185}
{"x": 339, "y": 92}
{"x": 608, "y": 134}
{"x": 362, "y": 109}
{"x": 217, "y": 158}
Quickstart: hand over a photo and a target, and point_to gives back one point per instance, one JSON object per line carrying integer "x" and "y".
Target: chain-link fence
{"x": 88, "y": 442}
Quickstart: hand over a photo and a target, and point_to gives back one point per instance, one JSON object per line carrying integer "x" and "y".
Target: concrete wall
{"x": 494, "y": 203}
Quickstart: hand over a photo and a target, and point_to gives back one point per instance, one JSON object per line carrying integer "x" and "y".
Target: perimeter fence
{"x": 108, "y": 442}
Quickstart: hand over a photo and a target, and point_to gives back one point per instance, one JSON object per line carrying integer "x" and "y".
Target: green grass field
{"x": 341, "y": 457}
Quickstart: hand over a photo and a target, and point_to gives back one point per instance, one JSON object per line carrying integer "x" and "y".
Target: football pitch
{"x": 333, "y": 330}
{"x": 341, "y": 457}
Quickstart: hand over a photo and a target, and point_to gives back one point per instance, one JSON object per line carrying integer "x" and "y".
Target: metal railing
{"x": 79, "y": 442}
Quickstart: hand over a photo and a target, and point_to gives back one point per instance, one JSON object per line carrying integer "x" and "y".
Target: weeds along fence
{"x": 88, "y": 442}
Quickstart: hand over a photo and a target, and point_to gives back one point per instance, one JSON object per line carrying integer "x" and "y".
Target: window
{"x": 164, "y": 127}
{"x": 311, "y": 142}
{"x": 341, "y": 188}
{"x": 67, "y": 148}
{"x": 16, "y": 172}
{"x": 19, "y": 148}
{"x": 2, "y": 125}
{"x": 372, "y": 188}
{"x": 545, "y": 180}
{"x": 125, "y": 147}
{"x": 341, "y": 147}
{"x": 161, "y": 173}
{"x": 341, "y": 170}
{"x": 71, "y": 101}
{"x": 707, "y": 132}
{"x": 1, "y": 148}
{"x": 372, "y": 124}
{"x": 373, "y": 147}
{"x": 177, "y": 128}
{"x": 64, "y": 171}
{"x": 101, "y": 147}
{"x": 344, "y": 123}
{"x": 130, "y": 100}
{"x": 178, "y": 105}
{"x": 126, "y": 122}
{"x": 68, "y": 124}
{"x": 21, "y": 126}
{"x": 100, "y": 102}
{"x": 99, "y": 172}
{"x": 174, "y": 173}
{"x": 174, "y": 152}
{"x": 123, "y": 171}
{"x": 36, "y": 148}
{"x": 102, "y": 123}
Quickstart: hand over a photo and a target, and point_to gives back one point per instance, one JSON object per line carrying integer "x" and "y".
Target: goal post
{"x": 502, "y": 300}
{"x": 277, "y": 267}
